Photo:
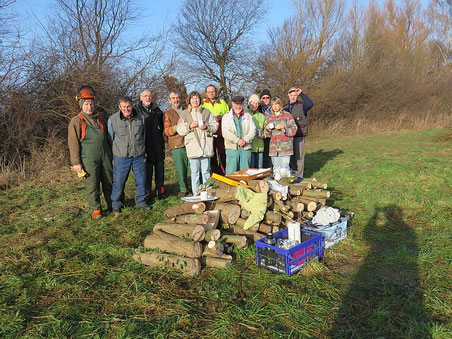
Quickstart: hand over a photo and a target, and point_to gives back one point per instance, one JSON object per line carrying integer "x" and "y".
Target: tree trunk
{"x": 215, "y": 262}
{"x": 238, "y": 240}
{"x": 187, "y": 231}
{"x": 172, "y": 244}
{"x": 188, "y": 266}
{"x": 185, "y": 208}
{"x": 199, "y": 219}
{"x": 229, "y": 213}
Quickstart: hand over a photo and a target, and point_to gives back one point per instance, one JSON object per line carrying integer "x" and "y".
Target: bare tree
{"x": 212, "y": 34}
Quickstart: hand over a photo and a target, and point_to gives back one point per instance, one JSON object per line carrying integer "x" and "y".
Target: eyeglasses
{"x": 265, "y": 98}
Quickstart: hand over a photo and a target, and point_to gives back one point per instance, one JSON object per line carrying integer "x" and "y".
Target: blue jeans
{"x": 199, "y": 166}
{"x": 257, "y": 160}
{"x": 281, "y": 163}
{"x": 121, "y": 170}
{"x": 238, "y": 159}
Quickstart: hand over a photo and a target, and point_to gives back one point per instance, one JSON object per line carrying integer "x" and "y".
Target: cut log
{"x": 187, "y": 231}
{"x": 317, "y": 194}
{"x": 308, "y": 215}
{"x": 241, "y": 222}
{"x": 213, "y": 248}
{"x": 282, "y": 206}
{"x": 219, "y": 183}
{"x": 259, "y": 186}
{"x": 250, "y": 235}
{"x": 238, "y": 240}
{"x": 215, "y": 262}
{"x": 172, "y": 244}
{"x": 272, "y": 218}
{"x": 185, "y": 208}
{"x": 305, "y": 185}
{"x": 269, "y": 201}
{"x": 213, "y": 235}
{"x": 275, "y": 195}
{"x": 297, "y": 206}
{"x": 285, "y": 214}
{"x": 225, "y": 194}
{"x": 199, "y": 219}
{"x": 295, "y": 189}
{"x": 188, "y": 266}
{"x": 275, "y": 229}
{"x": 213, "y": 220}
{"x": 229, "y": 213}
{"x": 244, "y": 213}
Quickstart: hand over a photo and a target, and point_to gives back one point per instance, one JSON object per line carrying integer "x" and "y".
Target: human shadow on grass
{"x": 385, "y": 298}
{"x": 315, "y": 161}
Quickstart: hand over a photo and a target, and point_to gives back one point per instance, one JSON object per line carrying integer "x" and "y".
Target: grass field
{"x": 63, "y": 275}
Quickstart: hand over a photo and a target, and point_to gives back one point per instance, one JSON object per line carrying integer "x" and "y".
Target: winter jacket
{"x": 198, "y": 142}
{"x": 281, "y": 142}
{"x": 127, "y": 135}
{"x": 229, "y": 130}
{"x": 170, "y": 119}
{"x": 154, "y": 142}
{"x": 299, "y": 111}
{"x": 257, "y": 145}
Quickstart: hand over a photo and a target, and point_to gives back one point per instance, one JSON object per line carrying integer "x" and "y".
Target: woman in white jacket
{"x": 238, "y": 129}
{"x": 197, "y": 124}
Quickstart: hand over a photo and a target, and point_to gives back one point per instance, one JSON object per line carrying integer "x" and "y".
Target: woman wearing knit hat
{"x": 265, "y": 109}
{"x": 90, "y": 153}
{"x": 257, "y": 145}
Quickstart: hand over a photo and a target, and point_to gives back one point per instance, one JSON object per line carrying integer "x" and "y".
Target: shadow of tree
{"x": 315, "y": 161}
{"x": 385, "y": 298}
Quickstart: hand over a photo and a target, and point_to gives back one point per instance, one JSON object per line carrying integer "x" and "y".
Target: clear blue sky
{"x": 156, "y": 14}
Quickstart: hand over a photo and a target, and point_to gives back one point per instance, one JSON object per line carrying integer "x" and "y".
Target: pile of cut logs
{"x": 190, "y": 238}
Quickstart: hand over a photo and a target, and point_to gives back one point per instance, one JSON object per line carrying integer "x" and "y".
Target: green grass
{"x": 62, "y": 274}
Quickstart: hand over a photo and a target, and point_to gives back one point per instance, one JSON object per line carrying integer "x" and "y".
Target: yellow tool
{"x": 228, "y": 181}
{"x": 80, "y": 174}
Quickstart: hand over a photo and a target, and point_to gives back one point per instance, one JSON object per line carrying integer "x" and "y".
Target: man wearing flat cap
{"x": 238, "y": 131}
{"x": 299, "y": 104}
{"x": 90, "y": 152}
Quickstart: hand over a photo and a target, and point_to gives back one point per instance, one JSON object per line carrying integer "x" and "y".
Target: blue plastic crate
{"x": 332, "y": 233}
{"x": 292, "y": 260}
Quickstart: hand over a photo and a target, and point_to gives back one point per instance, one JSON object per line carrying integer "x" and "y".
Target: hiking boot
{"x": 160, "y": 193}
{"x": 297, "y": 180}
{"x": 145, "y": 207}
{"x": 96, "y": 214}
{"x": 116, "y": 211}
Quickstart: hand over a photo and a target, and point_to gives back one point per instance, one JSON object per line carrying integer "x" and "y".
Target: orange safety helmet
{"x": 86, "y": 92}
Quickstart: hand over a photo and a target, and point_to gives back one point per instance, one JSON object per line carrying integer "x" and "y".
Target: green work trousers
{"x": 182, "y": 167}
{"x": 238, "y": 159}
{"x": 96, "y": 159}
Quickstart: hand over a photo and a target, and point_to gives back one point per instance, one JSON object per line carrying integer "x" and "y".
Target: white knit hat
{"x": 253, "y": 97}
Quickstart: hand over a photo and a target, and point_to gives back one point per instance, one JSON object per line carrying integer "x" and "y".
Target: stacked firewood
{"x": 188, "y": 239}
{"x": 301, "y": 203}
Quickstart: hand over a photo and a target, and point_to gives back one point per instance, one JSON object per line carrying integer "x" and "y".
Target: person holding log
{"x": 176, "y": 142}
{"x": 197, "y": 124}
{"x": 299, "y": 104}
{"x": 238, "y": 131}
{"x": 257, "y": 145}
{"x": 281, "y": 127}
{"x": 90, "y": 152}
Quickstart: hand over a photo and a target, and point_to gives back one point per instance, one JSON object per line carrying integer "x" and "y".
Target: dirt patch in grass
{"x": 24, "y": 241}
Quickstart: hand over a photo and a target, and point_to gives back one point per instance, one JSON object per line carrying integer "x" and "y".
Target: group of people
{"x": 204, "y": 136}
